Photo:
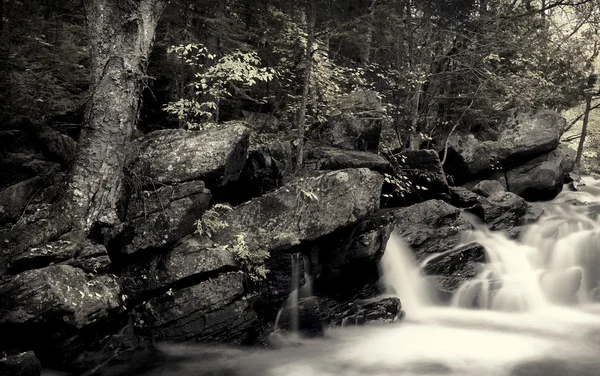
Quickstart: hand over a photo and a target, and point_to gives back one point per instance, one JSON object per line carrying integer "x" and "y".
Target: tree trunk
{"x": 121, "y": 35}
{"x": 368, "y": 37}
{"x": 586, "y": 115}
{"x": 310, "y": 22}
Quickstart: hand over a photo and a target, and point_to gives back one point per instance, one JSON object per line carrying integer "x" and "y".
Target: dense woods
{"x": 430, "y": 63}
{"x": 135, "y": 133}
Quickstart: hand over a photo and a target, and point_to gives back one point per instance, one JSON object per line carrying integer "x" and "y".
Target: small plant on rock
{"x": 211, "y": 222}
{"x": 252, "y": 261}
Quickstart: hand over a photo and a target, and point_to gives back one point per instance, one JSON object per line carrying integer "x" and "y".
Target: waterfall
{"x": 556, "y": 261}
{"x": 402, "y": 278}
{"x": 293, "y": 299}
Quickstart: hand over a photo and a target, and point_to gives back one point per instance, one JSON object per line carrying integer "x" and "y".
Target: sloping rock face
{"x": 160, "y": 218}
{"x": 417, "y": 176}
{"x": 321, "y": 205}
{"x": 542, "y": 178}
{"x": 193, "y": 257}
{"x": 215, "y": 156}
{"x": 195, "y": 292}
{"x": 430, "y": 227}
{"x": 42, "y": 307}
{"x": 211, "y": 311}
{"x": 520, "y": 137}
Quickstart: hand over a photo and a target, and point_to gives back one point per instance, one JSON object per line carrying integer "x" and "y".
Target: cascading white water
{"x": 556, "y": 261}
{"x": 402, "y": 278}
{"x": 531, "y": 276}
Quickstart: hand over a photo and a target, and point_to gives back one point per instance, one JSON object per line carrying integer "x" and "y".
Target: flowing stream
{"x": 531, "y": 311}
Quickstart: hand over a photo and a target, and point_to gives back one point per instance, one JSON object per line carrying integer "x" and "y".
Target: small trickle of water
{"x": 293, "y": 300}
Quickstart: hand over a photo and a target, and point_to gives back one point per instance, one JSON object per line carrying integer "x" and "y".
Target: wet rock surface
{"x": 503, "y": 210}
{"x": 455, "y": 267}
{"x": 430, "y": 227}
{"x": 360, "y": 312}
{"x": 542, "y": 178}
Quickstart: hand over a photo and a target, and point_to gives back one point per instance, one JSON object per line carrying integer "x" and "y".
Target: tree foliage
{"x": 431, "y": 63}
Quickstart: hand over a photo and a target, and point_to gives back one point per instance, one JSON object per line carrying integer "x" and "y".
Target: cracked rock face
{"x": 213, "y": 310}
{"x": 192, "y": 257}
{"x": 162, "y": 217}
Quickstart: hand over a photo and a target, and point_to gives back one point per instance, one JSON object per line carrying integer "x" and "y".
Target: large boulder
{"x": 430, "y": 227}
{"x": 211, "y": 311}
{"x": 306, "y": 209}
{"x": 521, "y": 136}
{"x": 542, "y": 178}
{"x": 215, "y": 156}
{"x": 320, "y": 157}
{"x": 346, "y": 260}
{"x": 193, "y": 257}
{"x": 416, "y": 176}
{"x": 160, "y": 218}
{"x": 22, "y": 364}
{"x": 39, "y": 307}
{"x": 503, "y": 210}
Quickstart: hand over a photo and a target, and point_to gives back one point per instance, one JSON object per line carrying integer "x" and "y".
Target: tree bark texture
{"x": 121, "y": 35}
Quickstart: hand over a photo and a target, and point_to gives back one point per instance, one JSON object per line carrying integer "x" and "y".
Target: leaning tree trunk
{"x": 121, "y": 35}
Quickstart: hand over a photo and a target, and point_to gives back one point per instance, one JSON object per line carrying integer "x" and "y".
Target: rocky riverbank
{"x": 211, "y": 218}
